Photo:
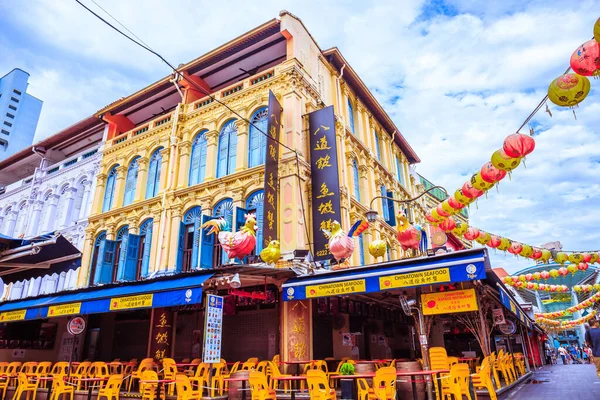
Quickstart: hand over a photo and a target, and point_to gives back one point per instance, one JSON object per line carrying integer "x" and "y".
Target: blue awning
{"x": 514, "y": 307}
{"x": 156, "y": 293}
{"x": 460, "y": 266}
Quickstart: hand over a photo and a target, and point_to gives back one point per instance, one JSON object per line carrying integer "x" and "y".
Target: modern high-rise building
{"x": 19, "y": 113}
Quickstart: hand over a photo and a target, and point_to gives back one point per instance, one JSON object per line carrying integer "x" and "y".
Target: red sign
{"x": 76, "y": 326}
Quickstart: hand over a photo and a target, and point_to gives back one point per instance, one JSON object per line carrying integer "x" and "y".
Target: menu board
{"x": 213, "y": 325}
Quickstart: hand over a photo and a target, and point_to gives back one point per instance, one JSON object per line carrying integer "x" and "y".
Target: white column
{"x": 68, "y": 207}
{"x": 52, "y": 202}
{"x": 34, "y": 223}
{"x": 11, "y": 220}
{"x": 84, "y": 210}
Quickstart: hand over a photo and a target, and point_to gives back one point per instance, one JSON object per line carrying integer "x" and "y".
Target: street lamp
{"x": 372, "y": 214}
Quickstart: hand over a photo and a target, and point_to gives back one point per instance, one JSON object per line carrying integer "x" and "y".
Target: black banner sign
{"x": 325, "y": 180}
{"x": 270, "y": 220}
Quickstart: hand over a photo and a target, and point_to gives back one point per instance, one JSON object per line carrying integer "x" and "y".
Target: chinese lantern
{"x": 582, "y": 266}
{"x": 536, "y": 276}
{"x": 479, "y": 183}
{"x": 554, "y": 273}
{"x": 545, "y": 274}
{"x": 568, "y": 90}
{"x": 470, "y": 191}
{"x": 460, "y": 228}
{"x": 561, "y": 257}
{"x": 546, "y": 255}
{"x": 535, "y": 286}
{"x": 553, "y": 288}
{"x": 586, "y": 257}
{"x": 436, "y": 217}
{"x": 504, "y": 244}
{"x": 441, "y": 212}
{"x": 529, "y": 285}
{"x": 585, "y": 61}
{"x": 522, "y": 278}
{"x": 537, "y": 253}
{"x": 483, "y": 238}
{"x": 448, "y": 208}
{"x": 597, "y": 31}
{"x": 515, "y": 248}
{"x": 594, "y": 258}
{"x": 447, "y": 225}
{"x": 527, "y": 251}
{"x": 430, "y": 219}
{"x": 577, "y": 288}
{"x": 572, "y": 268}
{"x": 528, "y": 277}
{"x": 596, "y": 286}
{"x": 491, "y": 174}
{"x": 377, "y": 248}
{"x": 515, "y": 278}
{"x": 518, "y": 145}
{"x": 494, "y": 241}
{"x": 452, "y": 202}
{"x": 575, "y": 258}
{"x": 562, "y": 271}
{"x": 471, "y": 233}
{"x": 542, "y": 286}
{"x": 503, "y": 161}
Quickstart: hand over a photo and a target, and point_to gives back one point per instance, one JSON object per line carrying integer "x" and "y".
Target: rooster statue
{"x": 341, "y": 245}
{"x": 236, "y": 244}
{"x": 408, "y": 236}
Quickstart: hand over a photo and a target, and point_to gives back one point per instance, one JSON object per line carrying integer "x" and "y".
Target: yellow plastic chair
{"x": 200, "y": 379}
{"x": 494, "y": 370}
{"x": 112, "y": 388}
{"x": 3, "y": 367}
{"x": 462, "y": 373}
{"x": 218, "y": 378}
{"x": 276, "y": 359}
{"x": 42, "y": 370}
{"x": 60, "y": 368}
{"x": 384, "y": 385}
{"x": 11, "y": 372}
{"x": 28, "y": 367}
{"x": 145, "y": 364}
{"x": 318, "y": 385}
{"x": 276, "y": 375}
{"x": 169, "y": 372}
{"x": 184, "y": 389}
{"x": 61, "y": 388}
{"x": 191, "y": 370}
{"x": 483, "y": 379}
{"x": 452, "y": 361}
{"x": 98, "y": 369}
{"x": 250, "y": 364}
{"x": 26, "y": 387}
{"x": 3, "y": 387}
{"x": 148, "y": 385}
{"x": 234, "y": 368}
{"x": 520, "y": 362}
{"x": 115, "y": 367}
{"x": 451, "y": 386}
{"x": 317, "y": 365}
{"x": 81, "y": 372}
{"x": 259, "y": 387}
{"x": 263, "y": 367}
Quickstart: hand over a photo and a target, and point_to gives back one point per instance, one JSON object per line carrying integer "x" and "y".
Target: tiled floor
{"x": 564, "y": 382}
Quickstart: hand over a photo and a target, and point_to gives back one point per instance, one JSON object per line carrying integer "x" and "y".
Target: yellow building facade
{"x": 373, "y": 157}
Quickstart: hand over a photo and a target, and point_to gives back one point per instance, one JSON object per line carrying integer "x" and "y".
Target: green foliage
{"x": 347, "y": 369}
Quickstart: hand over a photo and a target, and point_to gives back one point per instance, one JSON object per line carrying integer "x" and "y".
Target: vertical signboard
{"x": 213, "y": 325}
{"x": 270, "y": 223}
{"x": 162, "y": 329}
{"x": 325, "y": 179}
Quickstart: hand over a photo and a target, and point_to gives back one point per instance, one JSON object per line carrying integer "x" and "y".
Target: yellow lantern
{"x": 436, "y": 216}
{"x": 377, "y": 248}
{"x": 483, "y": 238}
{"x": 597, "y": 31}
{"x": 546, "y": 256}
{"x": 527, "y": 251}
{"x": 504, "y": 244}
{"x": 575, "y": 258}
{"x": 461, "y": 198}
{"x": 478, "y": 182}
{"x": 504, "y": 162}
{"x": 568, "y": 90}
{"x": 447, "y": 208}
{"x": 561, "y": 257}
{"x": 594, "y": 258}
{"x": 460, "y": 228}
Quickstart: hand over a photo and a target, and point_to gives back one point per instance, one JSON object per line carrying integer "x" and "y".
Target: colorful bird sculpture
{"x": 408, "y": 236}
{"x": 236, "y": 244}
{"x": 271, "y": 253}
{"x": 341, "y": 245}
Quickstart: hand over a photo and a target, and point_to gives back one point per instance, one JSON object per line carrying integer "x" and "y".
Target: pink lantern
{"x": 519, "y": 284}
{"x": 471, "y": 233}
{"x": 494, "y": 241}
{"x": 542, "y": 286}
{"x": 447, "y": 225}
{"x": 455, "y": 203}
{"x": 562, "y": 271}
{"x": 537, "y": 253}
{"x": 518, "y": 145}
{"x": 515, "y": 248}
{"x": 582, "y": 266}
{"x": 585, "y": 61}
{"x": 553, "y": 288}
{"x": 529, "y": 277}
{"x": 545, "y": 274}
{"x": 429, "y": 218}
{"x": 587, "y": 257}
{"x": 515, "y": 278}
{"x": 491, "y": 174}
{"x": 440, "y": 210}
{"x": 471, "y": 192}
{"x": 529, "y": 285}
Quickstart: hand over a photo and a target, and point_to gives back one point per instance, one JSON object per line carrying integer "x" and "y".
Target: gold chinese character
{"x": 323, "y": 162}
{"x": 273, "y": 132}
{"x": 326, "y": 208}
{"x": 271, "y": 181}
{"x": 162, "y": 337}
{"x": 326, "y": 224}
{"x": 299, "y": 326}
{"x": 324, "y": 191}
{"x": 272, "y": 152}
{"x": 270, "y": 219}
{"x": 322, "y": 144}
{"x": 271, "y": 199}
{"x": 162, "y": 321}
{"x": 325, "y": 128}
{"x": 300, "y": 351}
{"x": 159, "y": 355}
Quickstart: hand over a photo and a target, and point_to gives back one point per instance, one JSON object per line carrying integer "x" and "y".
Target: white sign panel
{"x": 213, "y": 329}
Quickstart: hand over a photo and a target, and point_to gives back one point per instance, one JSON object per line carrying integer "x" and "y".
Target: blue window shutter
{"x": 122, "y": 257}
{"x": 240, "y": 221}
{"x": 222, "y": 156}
{"x": 202, "y": 165}
{"x": 196, "y": 244}
{"x": 361, "y": 250}
{"x": 195, "y": 163}
{"x": 384, "y": 204}
{"x": 130, "y": 183}
{"x": 207, "y": 243}
{"x": 131, "y": 257}
{"x": 258, "y": 141}
{"x": 399, "y": 171}
{"x": 255, "y": 203}
{"x": 146, "y": 252}
{"x": 391, "y": 208}
{"x": 99, "y": 261}
{"x": 232, "y": 150}
{"x": 377, "y": 148}
{"x": 350, "y": 116}
{"x": 254, "y": 148}
{"x": 152, "y": 181}
{"x": 356, "y": 180}
{"x": 109, "y": 190}
{"x": 180, "y": 246}
{"x": 108, "y": 259}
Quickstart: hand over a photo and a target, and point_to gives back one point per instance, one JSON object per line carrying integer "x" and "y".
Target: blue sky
{"x": 457, "y": 76}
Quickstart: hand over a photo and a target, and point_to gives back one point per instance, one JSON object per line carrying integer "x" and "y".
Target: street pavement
{"x": 565, "y": 382}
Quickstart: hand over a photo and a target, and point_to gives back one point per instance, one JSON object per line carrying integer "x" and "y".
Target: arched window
{"x": 120, "y": 253}
{"x": 223, "y": 209}
{"x": 356, "y": 179}
{"x": 78, "y": 202}
{"x": 96, "y": 262}
{"x": 189, "y": 240}
{"x": 350, "y": 116}
{"x": 377, "y": 145}
{"x": 153, "y": 182}
{"x": 144, "y": 249}
{"x": 109, "y": 191}
{"x": 254, "y": 203}
{"x": 227, "y": 149}
{"x": 8, "y": 225}
{"x": 198, "y": 161}
{"x": 62, "y": 209}
{"x": 399, "y": 171}
{"x": 258, "y": 141}
{"x": 361, "y": 250}
{"x": 131, "y": 181}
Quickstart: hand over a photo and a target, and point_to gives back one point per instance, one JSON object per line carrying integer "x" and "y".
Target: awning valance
{"x": 157, "y": 293}
{"x": 461, "y": 266}
{"x": 511, "y": 305}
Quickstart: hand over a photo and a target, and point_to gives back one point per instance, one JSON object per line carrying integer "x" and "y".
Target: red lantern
{"x": 494, "y": 241}
{"x": 537, "y": 253}
{"x": 518, "y": 145}
{"x": 553, "y": 288}
{"x": 471, "y": 233}
{"x": 545, "y": 274}
{"x": 530, "y": 285}
{"x": 447, "y": 225}
{"x": 528, "y": 277}
{"x": 585, "y": 61}
{"x": 515, "y": 248}
{"x": 587, "y": 257}
{"x": 469, "y": 191}
{"x": 542, "y": 286}
{"x": 562, "y": 271}
{"x": 430, "y": 218}
{"x": 455, "y": 203}
{"x": 582, "y": 266}
{"x": 440, "y": 210}
{"x": 491, "y": 174}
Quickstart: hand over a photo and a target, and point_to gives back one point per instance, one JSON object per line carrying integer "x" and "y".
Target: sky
{"x": 456, "y": 76}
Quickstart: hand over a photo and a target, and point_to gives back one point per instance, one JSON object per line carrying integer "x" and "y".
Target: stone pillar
{"x": 69, "y": 199}
{"x": 174, "y": 238}
{"x": 371, "y": 187}
{"x": 359, "y": 125}
{"x": 154, "y": 249}
{"x": 85, "y": 206}
{"x": 386, "y": 147}
{"x": 363, "y": 178}
{"x": 212, "y": 140}
{"x": 293, "y": 110}
{"x": 183, "y": 175}
{"x": 84, "y": 278}
{"x": 51, "y": 203}
{"x": 11, "y": 220}
{"x": 119, "y": 187}
{"x": 99, "y": 194}
{"x": 241, "y": 156}
{"x": 34, "y": 223}
{"x": 164, "y": 169}
{"x": 142, "y": 179}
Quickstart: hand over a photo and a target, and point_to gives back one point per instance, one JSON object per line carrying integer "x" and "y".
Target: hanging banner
{"x": 451, "y": 302}
{"x": 162, "y": 329}
{"x": 270, "y": 213}
{"x": 213, "y": 329}
{"x": 325, "y": 178}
